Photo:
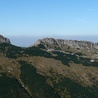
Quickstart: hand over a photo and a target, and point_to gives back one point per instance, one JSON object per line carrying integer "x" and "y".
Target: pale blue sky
{"x": 49, "y": 18}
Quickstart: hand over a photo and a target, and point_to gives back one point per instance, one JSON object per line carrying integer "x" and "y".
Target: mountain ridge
{"x": 73, "y": 43}
{"x": 86, "y": 47}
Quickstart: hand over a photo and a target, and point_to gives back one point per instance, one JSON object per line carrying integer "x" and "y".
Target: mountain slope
{"x": 49, "y": 69}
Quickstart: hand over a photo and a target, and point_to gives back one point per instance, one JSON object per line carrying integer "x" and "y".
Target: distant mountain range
{"x": 50, "y": 68}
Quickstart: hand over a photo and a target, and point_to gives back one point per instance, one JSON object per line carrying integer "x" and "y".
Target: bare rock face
{"x": 4, "y": 40}
{"x": 50, "y": 42}
{"x": 86, "y": 47}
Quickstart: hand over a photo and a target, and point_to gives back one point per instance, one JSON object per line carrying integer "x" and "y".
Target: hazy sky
{"x": 49, "y": 18}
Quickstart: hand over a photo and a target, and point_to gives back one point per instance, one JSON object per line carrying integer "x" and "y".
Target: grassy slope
{"x": 11, "y": 88}
{"x": 36, "y": 84}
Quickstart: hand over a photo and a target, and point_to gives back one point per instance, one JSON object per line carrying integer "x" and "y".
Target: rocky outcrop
{"x": 61, "y": 44}
{"x": 88, "y": 48}
{"x": 4, "y": 40}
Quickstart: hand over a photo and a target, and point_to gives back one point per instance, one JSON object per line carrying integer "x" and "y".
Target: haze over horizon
{"x": 26, "y": 41}
{"x": 25, "y": 21}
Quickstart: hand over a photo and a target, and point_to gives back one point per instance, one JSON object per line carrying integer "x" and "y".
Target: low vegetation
{"x": 47, "y": 74}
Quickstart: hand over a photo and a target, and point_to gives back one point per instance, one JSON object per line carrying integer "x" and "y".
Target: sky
{"x": 28, "y": 20}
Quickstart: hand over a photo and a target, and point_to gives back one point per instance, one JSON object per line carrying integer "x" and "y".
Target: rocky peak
{"x": 51, "y": 43}
{"x": 4, "y": 40}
